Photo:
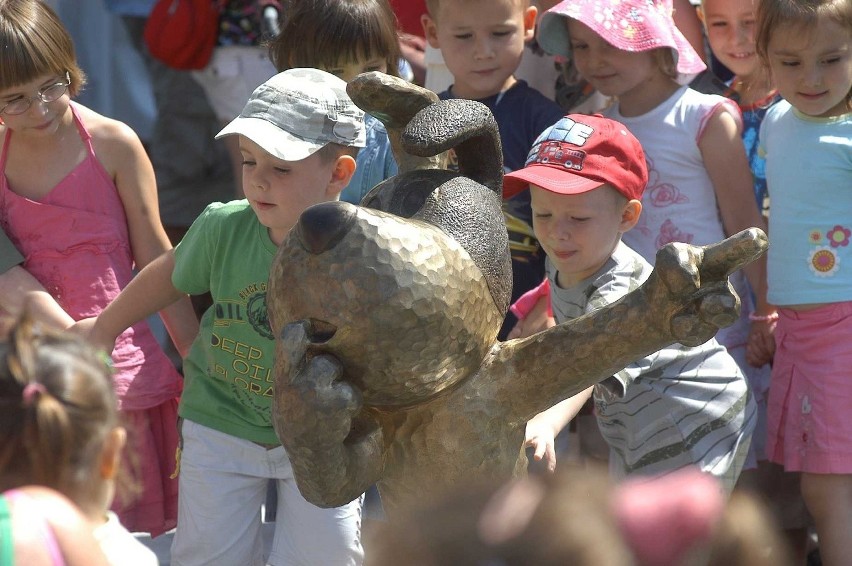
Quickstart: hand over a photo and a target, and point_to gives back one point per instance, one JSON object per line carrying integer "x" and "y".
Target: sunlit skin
{"x": 348, "y": 70}
{"x": 812, "y": 66}
{"x": 279, "y": 191}
{"x": 42, "y": 119}
{"x": 482, "y": 42}
{"x": 579, "y": 232}
{"x": 730, "y": 29}
{"x": 636, "y": 78}
{"x": 730, "y": 26}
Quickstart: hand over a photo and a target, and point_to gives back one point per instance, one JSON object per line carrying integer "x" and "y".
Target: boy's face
{"x": 579, "y": 232}
{"x": 812, "y": 68}
{"x": 612, "y": 71}
{"x": 279, "y": 191}
{"x": 730, "y": 31}
{"x": 481, "y": 41}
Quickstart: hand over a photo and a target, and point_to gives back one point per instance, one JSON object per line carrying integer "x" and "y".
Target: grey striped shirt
{"x": 676, "y": 407}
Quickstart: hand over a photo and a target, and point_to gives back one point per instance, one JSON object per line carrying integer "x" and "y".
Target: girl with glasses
{"x": 78, "y": 200}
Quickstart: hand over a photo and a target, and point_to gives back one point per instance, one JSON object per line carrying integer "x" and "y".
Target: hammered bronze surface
{"x": 387, "y": 366}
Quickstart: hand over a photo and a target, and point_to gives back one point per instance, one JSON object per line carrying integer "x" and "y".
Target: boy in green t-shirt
{"x": 299, "y": 134}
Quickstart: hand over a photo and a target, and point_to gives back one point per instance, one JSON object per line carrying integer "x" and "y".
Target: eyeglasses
{"x": 47, "y": 94}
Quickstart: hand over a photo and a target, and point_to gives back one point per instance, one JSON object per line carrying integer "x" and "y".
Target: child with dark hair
{"x": 346, "y": 38}
{"x": 482, "y": 43}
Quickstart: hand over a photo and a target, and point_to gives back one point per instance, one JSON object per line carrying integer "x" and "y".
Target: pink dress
{"x": 75, "y": 242}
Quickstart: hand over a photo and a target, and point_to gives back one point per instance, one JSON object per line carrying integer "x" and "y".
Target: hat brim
{"x": 549, "y": 178}
{"x": 275, "y": 141}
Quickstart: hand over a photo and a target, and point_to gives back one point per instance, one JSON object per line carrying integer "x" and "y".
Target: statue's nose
{"x": 323, "y": 225}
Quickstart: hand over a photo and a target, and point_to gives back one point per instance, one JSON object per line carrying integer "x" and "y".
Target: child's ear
{"x": 630, "y": 215}
{"x": 430, "y": 30}
{"x": 530, "y": 15}
{"x": 344, "y": 168}
{"x": 111, "y": 453}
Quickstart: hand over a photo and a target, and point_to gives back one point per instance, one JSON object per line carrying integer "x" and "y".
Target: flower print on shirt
{"x": 670, "y": 233}
{"x": 824, "y": 260}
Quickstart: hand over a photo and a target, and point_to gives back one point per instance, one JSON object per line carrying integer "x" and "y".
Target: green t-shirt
{"x": 9, "y": 254}
{"x": 228, "y": 371}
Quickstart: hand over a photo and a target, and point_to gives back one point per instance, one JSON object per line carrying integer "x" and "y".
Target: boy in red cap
{"x": 679, "y": 407}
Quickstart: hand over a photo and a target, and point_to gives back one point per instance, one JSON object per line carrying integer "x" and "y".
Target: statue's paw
{"x": 312, "y": 398}
{"x": 320, "y": 386}
{"x": 677, "y": 268}
{"x": 690, "y": 288}
{"x": 684, "y": 268}
{"x": 697, "y": 324}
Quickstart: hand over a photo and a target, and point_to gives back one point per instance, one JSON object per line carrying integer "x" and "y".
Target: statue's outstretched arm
{"x": 334, "y": 447}
{"x": 686, "y": 299}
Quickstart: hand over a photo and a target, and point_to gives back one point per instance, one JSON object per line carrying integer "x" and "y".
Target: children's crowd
{"x": 662, "y": 122}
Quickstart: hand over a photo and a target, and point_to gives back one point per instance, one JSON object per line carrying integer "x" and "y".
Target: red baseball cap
{"x": 579, "y": 153}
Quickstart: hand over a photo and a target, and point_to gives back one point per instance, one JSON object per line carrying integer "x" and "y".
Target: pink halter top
{"x": 75, "y": 242}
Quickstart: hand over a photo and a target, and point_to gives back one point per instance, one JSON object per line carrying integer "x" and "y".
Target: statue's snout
{"x": 323, "y": 225}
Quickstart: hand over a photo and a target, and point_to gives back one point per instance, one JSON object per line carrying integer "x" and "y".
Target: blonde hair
{"x": 57, "y": 407}
{"x": 802, "y": 14}
{"x": 665, "y": 60}
{"x": 33, "y": 43}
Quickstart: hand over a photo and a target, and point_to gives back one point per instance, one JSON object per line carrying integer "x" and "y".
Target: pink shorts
{"x": 810, "y": 397}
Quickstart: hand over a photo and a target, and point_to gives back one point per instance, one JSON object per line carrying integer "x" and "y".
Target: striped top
{"x": 675, "y": 407}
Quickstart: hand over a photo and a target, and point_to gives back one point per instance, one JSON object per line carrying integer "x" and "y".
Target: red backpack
{"x": 182, "y": 33}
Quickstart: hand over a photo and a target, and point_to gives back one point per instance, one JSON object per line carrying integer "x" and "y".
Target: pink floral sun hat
{"x": 630, "y": 25}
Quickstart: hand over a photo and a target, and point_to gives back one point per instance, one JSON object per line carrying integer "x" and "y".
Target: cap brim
{"x": 275, "y": 141}
{"x": 548, "y": 178}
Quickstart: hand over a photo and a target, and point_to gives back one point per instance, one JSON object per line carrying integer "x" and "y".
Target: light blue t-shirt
{"x": 374, "y": 163}
{"x": 809, "y": 174}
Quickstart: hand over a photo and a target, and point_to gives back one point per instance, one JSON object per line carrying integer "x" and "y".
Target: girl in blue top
{"x": 806, "y": 141}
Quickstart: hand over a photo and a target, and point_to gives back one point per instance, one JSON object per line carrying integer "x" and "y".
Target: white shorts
{"x": 231, "y": 76}
{"x": 222, "y": 485}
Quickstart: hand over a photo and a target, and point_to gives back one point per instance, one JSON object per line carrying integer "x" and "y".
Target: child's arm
{"x": 20, "y": 291}
{"x": 543, "y": 428}
{"x": 150, "y": 291}
{"x": 134, "y": 178}
{"x": 725, "y": 160}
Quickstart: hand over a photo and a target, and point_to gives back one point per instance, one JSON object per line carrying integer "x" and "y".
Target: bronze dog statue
{"x": 388, "y": 370}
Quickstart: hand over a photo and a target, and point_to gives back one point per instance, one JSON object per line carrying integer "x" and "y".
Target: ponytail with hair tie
{"x": 30, "y": 391}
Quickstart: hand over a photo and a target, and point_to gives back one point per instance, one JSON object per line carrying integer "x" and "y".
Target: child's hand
{"x": 313, "y": 412}
{"x": 541, "y": 438}
{"x": 760, "y": 347}
{"x": 88, "y": 329}
{"x": 536, "y": 321}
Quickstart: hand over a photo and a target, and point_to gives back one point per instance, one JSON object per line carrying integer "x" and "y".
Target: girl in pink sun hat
{"x": 700, "y": 184}
{"x": 638, "y": 25}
